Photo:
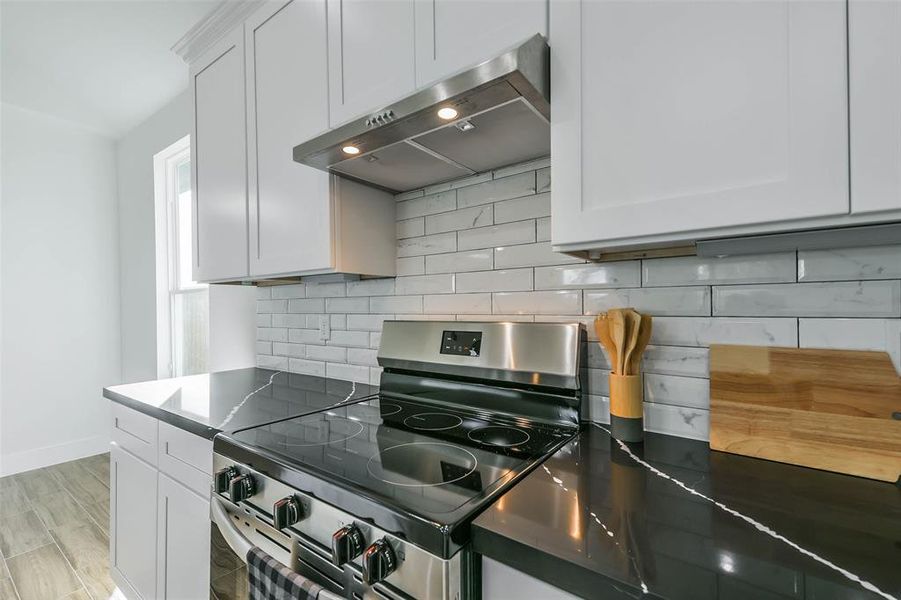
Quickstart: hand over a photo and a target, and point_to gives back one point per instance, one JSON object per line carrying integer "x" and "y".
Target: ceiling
{"x": 105, "y": 64}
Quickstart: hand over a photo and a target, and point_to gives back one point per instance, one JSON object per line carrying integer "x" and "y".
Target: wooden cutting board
{"x": 826, "y": 409}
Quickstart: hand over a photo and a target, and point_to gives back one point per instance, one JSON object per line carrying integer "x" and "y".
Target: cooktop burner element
{"x": 387, "y": 409}
{"x": 432, "y": 421}
{"x": 494, "y": 435}
{"x": 335, "y": 431}
{"x": 453, "y": 465}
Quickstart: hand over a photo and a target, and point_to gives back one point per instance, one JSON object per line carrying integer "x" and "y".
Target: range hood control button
{"x": 347, "y": 544}
{"x": 223, "y": 478}
{"x": 286, "y": 512}
{"x": 379, "y": 561}
{"x": 241, "y": 487}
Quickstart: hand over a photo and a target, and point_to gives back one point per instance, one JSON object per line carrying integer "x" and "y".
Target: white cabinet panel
{"x": 218, "y": 157}
{"x": 371, "y": 55}
{"x": 183, "y": 549}
{"x": 874, "y": 30}
{"x": 500, "y": 582}
{"x": 455, "y": 34}
{"x": 684, "y": 116}
{"x": 287, "y": 100}
{"x": 133, "y": 514}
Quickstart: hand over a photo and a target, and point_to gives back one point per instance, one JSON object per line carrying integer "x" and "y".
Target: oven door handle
{"x": 239, "y": 544}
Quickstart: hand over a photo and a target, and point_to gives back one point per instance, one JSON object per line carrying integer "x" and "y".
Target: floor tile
{"x": 97, "y": 581}
{"x": 85, "y": 546}
{"x": 81, "y": 483}
{"x": 99, "y": 512}
{"x": 7, "y": 590}
{"x": 231, "y": 586}
{"x": 99, "y": 466}
{"x": 21, "y": 533}
{"x": 7, "y": 482}
{"x": 38, "y": 482}
{"x": 4, "y": 572}
{"x": 42, "y": 574}
{"x": 79, "y": 595}
{"x": 59, "y": 509}
{"x": 13, "y": 501}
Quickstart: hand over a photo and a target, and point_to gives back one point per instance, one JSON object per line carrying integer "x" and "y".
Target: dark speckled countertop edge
{"x": 163, "y": 415}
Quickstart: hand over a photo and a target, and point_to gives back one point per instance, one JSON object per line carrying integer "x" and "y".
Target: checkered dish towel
{"x": 271, "y": 580}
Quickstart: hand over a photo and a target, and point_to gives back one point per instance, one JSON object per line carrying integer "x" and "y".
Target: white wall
{"x": 60, "y": 296}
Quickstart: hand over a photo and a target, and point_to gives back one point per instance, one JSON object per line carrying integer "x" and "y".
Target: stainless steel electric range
{"x": 374, "y": 499}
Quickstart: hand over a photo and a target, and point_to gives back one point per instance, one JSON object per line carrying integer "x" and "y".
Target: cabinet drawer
{"x": 187, "y": 458}
{"x": 135, "y": 432}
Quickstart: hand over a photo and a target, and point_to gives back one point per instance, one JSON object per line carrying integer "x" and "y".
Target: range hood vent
{"x": 499, "y": 115}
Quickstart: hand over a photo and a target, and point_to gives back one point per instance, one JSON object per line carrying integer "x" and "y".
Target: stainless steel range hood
{"x": 496, "y": 114}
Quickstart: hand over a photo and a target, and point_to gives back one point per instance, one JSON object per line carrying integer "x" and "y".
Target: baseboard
{"x": 36, "y": 458}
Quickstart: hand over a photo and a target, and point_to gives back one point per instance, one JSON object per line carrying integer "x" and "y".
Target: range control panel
{"x": 461, "y": 343}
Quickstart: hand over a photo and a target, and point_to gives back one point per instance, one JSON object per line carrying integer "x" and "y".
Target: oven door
{"x": 235, "y": 531}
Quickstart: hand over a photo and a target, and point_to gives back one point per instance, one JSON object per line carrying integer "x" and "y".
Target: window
{"x": 182, "y": 303}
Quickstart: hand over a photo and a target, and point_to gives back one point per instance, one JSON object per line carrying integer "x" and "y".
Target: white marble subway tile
{"x": 264, "y": 320}
{"x": 429, "y": 244}
{"x": 371, "y": 287}
{"x": 692, "y": 270}
{"x": 427, "y": 205}
{"x": 297, "y": 290}
{"x": 264, "y": 292}
{"x": 596, "y": 408}
{"x": 681, "y": 301}
{"x": 375, "y": 376}
{"x": 704, "y": 331}
{"x": 471, "y": 260}
{"x": 327, "y": 353}
{"x": 453, "y": 304}
{"x": 465, "y": 218}
{"x": 624, "y": 274}
{"x": 292, "y": 320}
{"x": 279, "y": 363}
{"x": 527, "y": 207}
{"x": 596, "y": 356}
{"x": 543, "y": 180}
{"x": 532, "y": 165}
{"x": 272, "y": 334}
{"x": 521, "y": 232}
{"x": 458, "y": 183}
{"x": 679, "y": 391}
{"x": 425, "y": 317}
{"x": 497, "y": 189}
{"x": 358, "y": 373}
{"x": 396, "y": 304}
{"x": 264, "y": 347}
{"x": 327, "y": 290}
{"x": 336, "y": 322}
{"x": 853, "y": 334}
{"x": 833, "y": 299}
{"x": 543, "y": 229}
{"x": 846, "y": 264}
{"x": 347, "y": 305}
{"x": 497, "y": 318}
{"x": 292, "y": 350}
{"x": 367, "y": 322}
{"x": 563, "y": 302}
{"x": 306, "y": 305}
{"x": 412, "y": 265}
{"x": 349, "y": 339}
{"x": 305, "y": 336}
{"x": 531, "y": 255}
{"x": 681, "y": 421}
{"x": 362, "y": 356}
{"x": 375, "y": 339}
{"x": 676, "y": 360}
{"x": 426, "y": 284}
{"x": 596, "y": 381}
{"x": 307, "y": 367}
{"x": 512, "y": 280}
{"x": 272, "y": 306}
{"x": 408, "y": 228}
{"x": 409, "y": 195}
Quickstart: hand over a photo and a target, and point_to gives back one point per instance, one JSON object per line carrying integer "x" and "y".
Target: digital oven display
{"x": 461, "y": 343}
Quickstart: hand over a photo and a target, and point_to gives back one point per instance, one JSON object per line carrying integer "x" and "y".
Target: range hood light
{"x": 350, "y": 150}
{"x": 447, "y": 113}
{"x": 464, "y": 126}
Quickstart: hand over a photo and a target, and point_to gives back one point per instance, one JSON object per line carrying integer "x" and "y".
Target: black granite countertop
{"x": 673, "y": 519}
{"x": 232, "y": 400}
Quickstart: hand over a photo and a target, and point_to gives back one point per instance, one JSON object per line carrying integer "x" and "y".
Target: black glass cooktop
{"x": 435, "y": 461}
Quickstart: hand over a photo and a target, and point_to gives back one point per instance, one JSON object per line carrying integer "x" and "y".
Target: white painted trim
{"x": 37, "y": 458}
{"x": 227, "y": 15}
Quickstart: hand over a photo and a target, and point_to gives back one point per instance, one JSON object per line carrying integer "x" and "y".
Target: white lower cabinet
{"x": 500, "y": 582}
{"x": 160, "y": 517}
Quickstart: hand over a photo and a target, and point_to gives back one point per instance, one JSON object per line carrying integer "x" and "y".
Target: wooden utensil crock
{"x": 626, "y": 410}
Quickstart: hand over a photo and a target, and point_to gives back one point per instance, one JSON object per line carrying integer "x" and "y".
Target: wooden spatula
{"x": 602, "y": 328}
{"x": 633, "y": 324}
{"x": 618, "y": 333}
{"x": 643, "y": 337}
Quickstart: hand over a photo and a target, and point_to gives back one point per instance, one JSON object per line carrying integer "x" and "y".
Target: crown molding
{"x": 227, "y": 15}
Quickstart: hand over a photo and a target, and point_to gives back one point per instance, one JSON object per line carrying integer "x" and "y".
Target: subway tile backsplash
{"x": 479, "y": 249}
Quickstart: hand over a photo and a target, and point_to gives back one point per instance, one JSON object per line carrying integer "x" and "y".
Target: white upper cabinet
{"x": 287, "y": 102}
{"x": 455, "y": 34}
{"x": 675, "y": 118}
{"x": 218, "y": 156}
{"x": 371, "y": 55}
{"x": 875, "y": 71}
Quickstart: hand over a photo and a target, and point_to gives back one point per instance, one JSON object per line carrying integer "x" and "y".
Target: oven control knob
{"x": 379, "y": 561}
{"x": 223, "y": 477}
{"x": 241, "y": 487}
{"x": 347, "y": 544}
{"x": 286, "y": 512}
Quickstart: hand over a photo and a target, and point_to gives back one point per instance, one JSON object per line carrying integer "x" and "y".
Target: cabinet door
{"x": 183, "y": 550}
{"x": 371, "y": 55}
{"x": 287, "y": 99}
{"x": 455, "y": 34}
{"x": 218, "y": 155}
{"x": 683, "y": 116}
{"x": 133, "y": 522}
{"x": 874, "y": 46}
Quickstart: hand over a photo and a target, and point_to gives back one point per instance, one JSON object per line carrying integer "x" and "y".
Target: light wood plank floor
{"x": 54, "y": 533}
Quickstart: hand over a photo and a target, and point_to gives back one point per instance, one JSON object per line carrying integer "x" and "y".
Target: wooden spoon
{"x": 644, "y": 336}
{"x": 618, "y": 333}
{"x": 602, "y": 328}
{"x": 633, "y": 324}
